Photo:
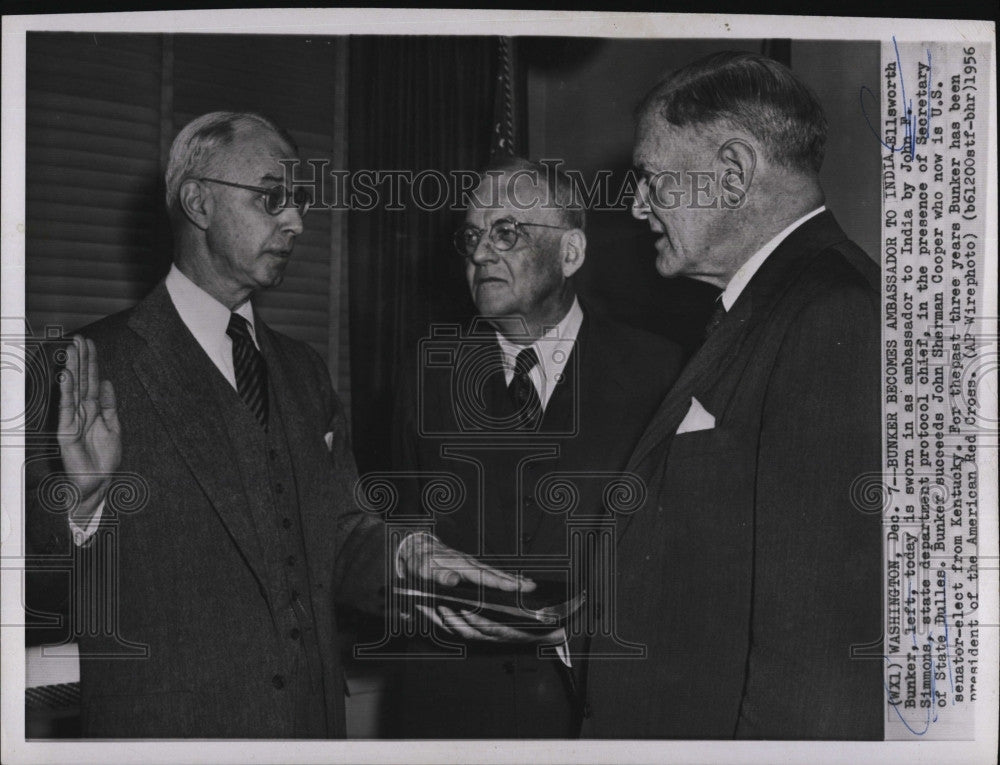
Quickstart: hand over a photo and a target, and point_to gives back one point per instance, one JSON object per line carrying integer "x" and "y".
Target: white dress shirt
{"x": 553, "y": 350}
{"x": 207, "y": 319}
{"x": 745, "y": 272}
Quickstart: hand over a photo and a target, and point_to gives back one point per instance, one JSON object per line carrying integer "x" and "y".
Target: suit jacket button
{"x": 278, "y": 682}
{"x": 294, "y": 633}
{"x": 508, "y": 667}
{"x": 286, "y": 523}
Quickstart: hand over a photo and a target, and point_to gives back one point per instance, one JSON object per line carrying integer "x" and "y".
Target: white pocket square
{"x": 697, "y": 418}
{"x": 329, "y": 441}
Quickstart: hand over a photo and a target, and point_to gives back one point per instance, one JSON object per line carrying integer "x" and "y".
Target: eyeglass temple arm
{"x": 259, "y": 189}
{"x": 543, "y": 225}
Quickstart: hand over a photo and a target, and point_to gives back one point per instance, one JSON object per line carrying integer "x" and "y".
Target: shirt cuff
{"x": 81, "y": 536}
{"x": 562, "y": 651}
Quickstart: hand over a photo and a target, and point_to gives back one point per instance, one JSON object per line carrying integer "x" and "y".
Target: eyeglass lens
{"x": 276, "y": 199}
{"x": 503, "y": 236}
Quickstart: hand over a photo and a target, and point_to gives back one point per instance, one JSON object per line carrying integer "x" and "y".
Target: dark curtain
{"x": 778, "y": 48}
{"x": 415, "y": 103}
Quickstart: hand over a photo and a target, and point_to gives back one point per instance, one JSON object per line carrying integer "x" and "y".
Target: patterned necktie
{"x": 250, "y": 368}
{"x": 717, "y": 316}
{"x": 522, "y": 390}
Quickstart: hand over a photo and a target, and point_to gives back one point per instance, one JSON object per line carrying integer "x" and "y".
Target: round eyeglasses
{"x": 503, "y": 236}
{"x": 276, "y": 198}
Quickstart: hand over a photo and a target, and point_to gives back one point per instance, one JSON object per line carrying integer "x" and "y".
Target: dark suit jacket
{"x": 191, "y": 570}
{"x": 614, "y": 379}
{"x": 750, "y": 575}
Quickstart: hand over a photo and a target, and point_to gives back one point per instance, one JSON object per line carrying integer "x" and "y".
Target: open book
{"x": 544, "y": 607}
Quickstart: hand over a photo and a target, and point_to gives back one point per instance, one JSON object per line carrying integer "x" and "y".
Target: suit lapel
{"x": 174, "y": 371}
{"x": 717, "y": 350}
{"x": 593, "y": 380}
{"x": 756, "y": 302}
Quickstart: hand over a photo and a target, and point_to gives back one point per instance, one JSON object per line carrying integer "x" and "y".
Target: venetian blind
{"x": 101, "y": 113}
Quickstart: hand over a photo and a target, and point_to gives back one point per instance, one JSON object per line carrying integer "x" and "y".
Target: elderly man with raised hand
{"x": 225, "y": 576}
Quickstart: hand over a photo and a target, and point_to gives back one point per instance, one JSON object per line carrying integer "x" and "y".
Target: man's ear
{"x": 196, "y": 203}
{"x": 739, "y": 163}
{"x": 572, "y": 251}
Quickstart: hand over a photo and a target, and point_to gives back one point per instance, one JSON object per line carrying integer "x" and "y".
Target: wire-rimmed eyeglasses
{"x": 503, "y": 235}
{"x": 276, "y": 198}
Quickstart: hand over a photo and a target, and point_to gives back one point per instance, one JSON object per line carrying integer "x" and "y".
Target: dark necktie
{"x": 250, "y": 368}
{"x": 717, "y": 316}
{"x": 522, "y": 390}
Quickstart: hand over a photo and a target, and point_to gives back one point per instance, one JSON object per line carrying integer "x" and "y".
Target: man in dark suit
{"x": 214, "y": 614}
{"x": 750, "y": 576}
{"x": 535, "y": 412}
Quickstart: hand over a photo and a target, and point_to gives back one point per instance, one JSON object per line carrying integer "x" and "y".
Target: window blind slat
{"x": 137, "y": 238}
{"x": 124, "y": 146}
{"x": 128, "y": 50}
{"x": 71, "y": 105}
{"x": 121, "y": 287}
{"x": 93, "y": 196}
{"x": 88, "y": 254}
{"x": 111, "y": 217}
{"x": 99, "y": 157}
{"x": 42, "y": 173}
{"x": 73, "y": 267}
{"x": 100, "y": 127}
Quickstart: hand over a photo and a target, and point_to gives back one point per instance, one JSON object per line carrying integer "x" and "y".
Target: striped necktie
{"x": 522, "y": 390}
{"x": 250, "y": 368}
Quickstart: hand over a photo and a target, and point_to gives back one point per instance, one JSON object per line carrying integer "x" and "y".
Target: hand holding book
{"x": 477, "y": 602}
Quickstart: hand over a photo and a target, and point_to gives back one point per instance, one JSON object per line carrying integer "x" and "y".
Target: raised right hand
{"x": 89, "y": 431}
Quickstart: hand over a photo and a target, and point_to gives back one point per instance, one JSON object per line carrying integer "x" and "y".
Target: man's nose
{"x": 291, "y": 221}
{"x": 640, "y": 203}
{"x": 483, "y": 252}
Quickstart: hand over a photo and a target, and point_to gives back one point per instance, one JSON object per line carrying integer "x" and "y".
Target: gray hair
{"x": 749, "y": 92}
{"x": 563, "y": 193}
{"x": 196, "y": 148}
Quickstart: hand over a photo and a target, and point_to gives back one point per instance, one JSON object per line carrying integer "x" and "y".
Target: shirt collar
{"x": 745, "y": 272}
{"x": 553, "y": 348}
{"x": 205, "y": 317}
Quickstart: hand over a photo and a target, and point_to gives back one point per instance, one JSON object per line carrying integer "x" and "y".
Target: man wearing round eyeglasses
{"x": 244, "y": 529}
{"x": 538, "y": 385}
